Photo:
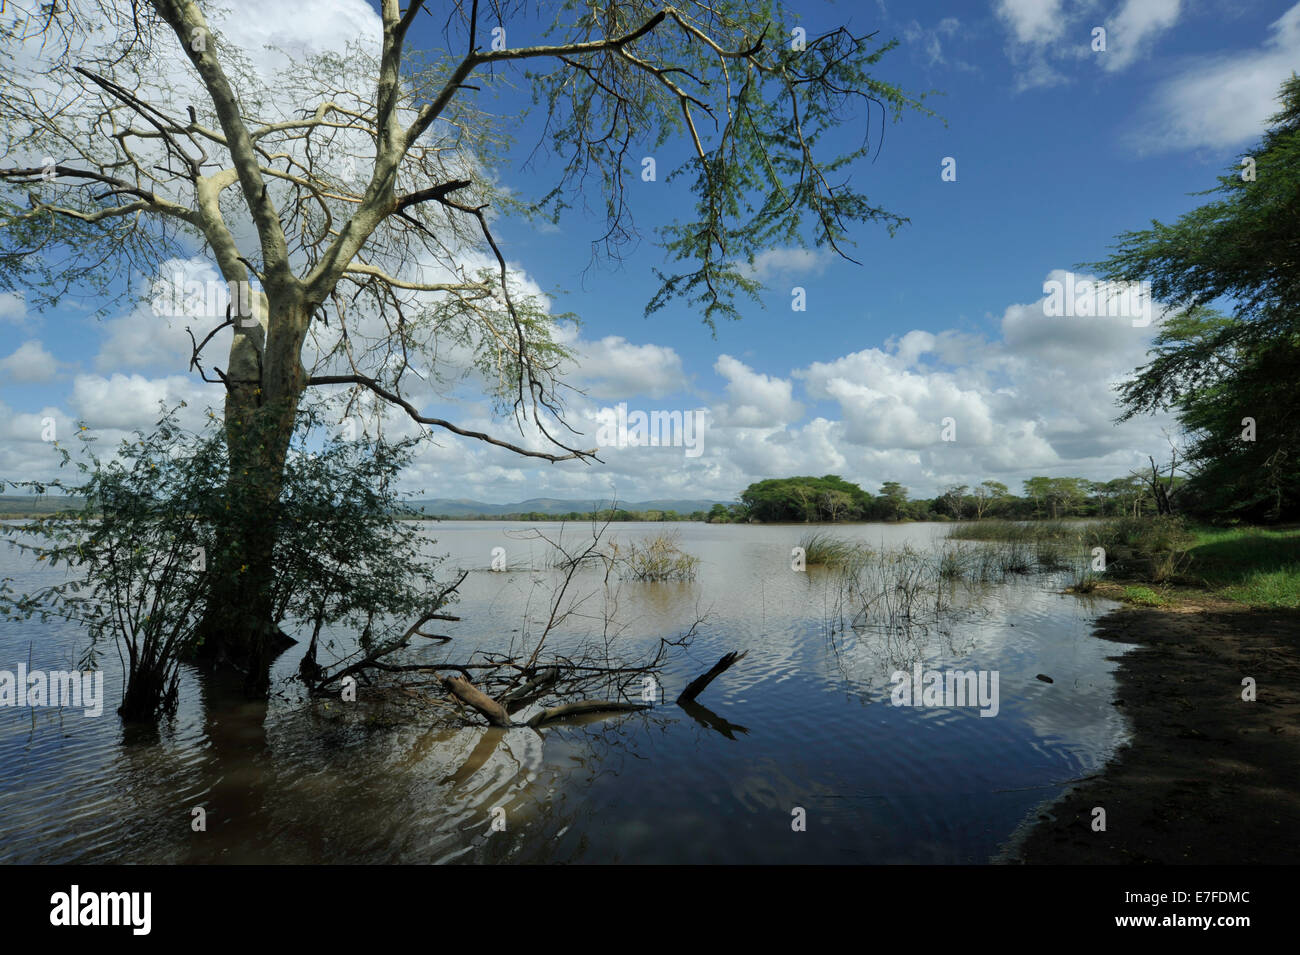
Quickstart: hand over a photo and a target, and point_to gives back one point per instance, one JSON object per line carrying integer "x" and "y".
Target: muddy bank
{"x": 1207, "y": 778}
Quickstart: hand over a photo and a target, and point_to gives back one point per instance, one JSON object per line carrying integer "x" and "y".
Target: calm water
{"x": 804, "y": 721}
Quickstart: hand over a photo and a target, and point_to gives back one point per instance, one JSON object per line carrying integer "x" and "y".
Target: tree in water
{"x": 348, "y": 201}
{"x": 141, "y": 532}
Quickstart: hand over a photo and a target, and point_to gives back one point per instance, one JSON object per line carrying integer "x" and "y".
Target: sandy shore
{"x": 1207, "y": 777}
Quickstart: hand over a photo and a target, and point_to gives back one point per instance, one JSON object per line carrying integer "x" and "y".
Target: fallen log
{"x": 534, "y": 686}
{"x": 470, "y": 695}
{"x": 581, "y": 707}
{"x": 696, "y": 686}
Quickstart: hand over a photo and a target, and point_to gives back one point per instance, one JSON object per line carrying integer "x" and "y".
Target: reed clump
{"x": 821, "y": 549}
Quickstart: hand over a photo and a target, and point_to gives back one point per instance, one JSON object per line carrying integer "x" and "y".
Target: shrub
{"x": 138, "y": 550}
{"x": 657, "y": 559}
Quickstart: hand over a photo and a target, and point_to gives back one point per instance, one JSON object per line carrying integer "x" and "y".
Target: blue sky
{"x": 1058, "y": 148}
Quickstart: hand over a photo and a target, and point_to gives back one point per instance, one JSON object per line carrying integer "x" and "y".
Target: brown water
{"x": 805, "y": 720}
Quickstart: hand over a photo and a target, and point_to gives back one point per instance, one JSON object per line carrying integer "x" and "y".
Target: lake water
{"x": 805, "y": 721}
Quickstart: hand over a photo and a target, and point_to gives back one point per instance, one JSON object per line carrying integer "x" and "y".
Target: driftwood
{"x": 584, "y": 706}
{"x": 504, "y": 683}
{"x": 696, "y": 686}
{"x": 531, "y": 689}
{"x": 497, "y": 715}
{"x": 469, "y": 694}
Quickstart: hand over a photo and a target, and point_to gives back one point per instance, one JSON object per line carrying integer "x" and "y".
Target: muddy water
{"x": 805, "y": 721}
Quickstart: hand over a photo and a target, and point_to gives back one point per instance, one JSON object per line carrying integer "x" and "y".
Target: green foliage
{"x": 1235, "y": 476}
{"x": 829, "y": 499}
{"x": 133, "y": 554}
{"x": 1215, "y": 370}
{"x": 755, "y": 120}
{"x": 1239, "y": 247}
{"x": 346, "y": 553}
{"x": 894, "y": 499}
{"x": 807, "y": 499}
{"x": 139, "y": 551}
{"x": 657, "y": 559}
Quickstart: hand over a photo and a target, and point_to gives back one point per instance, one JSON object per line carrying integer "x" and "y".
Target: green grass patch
{"x": 1144, "y": 597}
{"x": 1256, "y": 566}
{"x": 1252, "y": 566}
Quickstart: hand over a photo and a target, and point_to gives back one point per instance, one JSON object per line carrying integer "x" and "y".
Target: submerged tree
{"x": 139, "y": 544}
{"x": 354, "y": 194}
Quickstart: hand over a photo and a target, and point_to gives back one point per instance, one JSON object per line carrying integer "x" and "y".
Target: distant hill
{"x": 462, "y": 507}
{"x": 23, "y": 504}
{"x": 18, "y": 505}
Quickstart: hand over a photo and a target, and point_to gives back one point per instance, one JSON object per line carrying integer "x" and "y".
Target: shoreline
{"x": 1205, "y": 778}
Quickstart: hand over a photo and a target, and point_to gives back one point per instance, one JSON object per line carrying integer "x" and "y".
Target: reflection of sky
{"x": 810, "y": 722}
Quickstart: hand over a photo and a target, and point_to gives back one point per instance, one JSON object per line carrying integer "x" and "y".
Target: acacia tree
{"x": 1230, "y": 378}
{"x": 986, "y": 495}
{"x": 356, "y": 193}
{"x": 953, "y": 500}
{"x": 893, "y": 497}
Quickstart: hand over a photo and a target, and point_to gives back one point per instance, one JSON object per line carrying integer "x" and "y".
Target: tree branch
{"x": 410, "y": 409}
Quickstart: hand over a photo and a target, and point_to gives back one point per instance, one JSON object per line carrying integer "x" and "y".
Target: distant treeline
{"x": 823, "y": 499}
{"x": 616, "y": 514}
{"x": 14, "y": 506}
{"x": 832, "y": 499}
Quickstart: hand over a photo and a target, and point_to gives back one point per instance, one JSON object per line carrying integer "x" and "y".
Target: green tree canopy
{"x": 827, "y": 498}
{"x": 1216, "y": 371}
{"x": 357, "y": 193}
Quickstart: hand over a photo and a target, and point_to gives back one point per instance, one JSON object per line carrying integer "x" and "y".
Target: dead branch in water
{"x": 470, "y": 695}
{"x": 584, "y": 679}
{"x": 584, "y": 706}
{"x": 696, "y": 686}
{"x": 315, "y": 676}
{"x": 521, "y": 696}
{"x": 434, "y": 611}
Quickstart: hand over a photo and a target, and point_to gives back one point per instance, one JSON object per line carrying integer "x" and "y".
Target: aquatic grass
{"x": 1003, "y": 530}
{"x": 655, "y": 559}
{"x": 954, "y": 564}
{"x": 1049, "y": 554}
{"x": 895, "y": 591}
{"x": 1083, "y": 579}
{"x": 1021, "y": 547}
{"x": 826, "y": 550}
{"x": 1013, "y": 557}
